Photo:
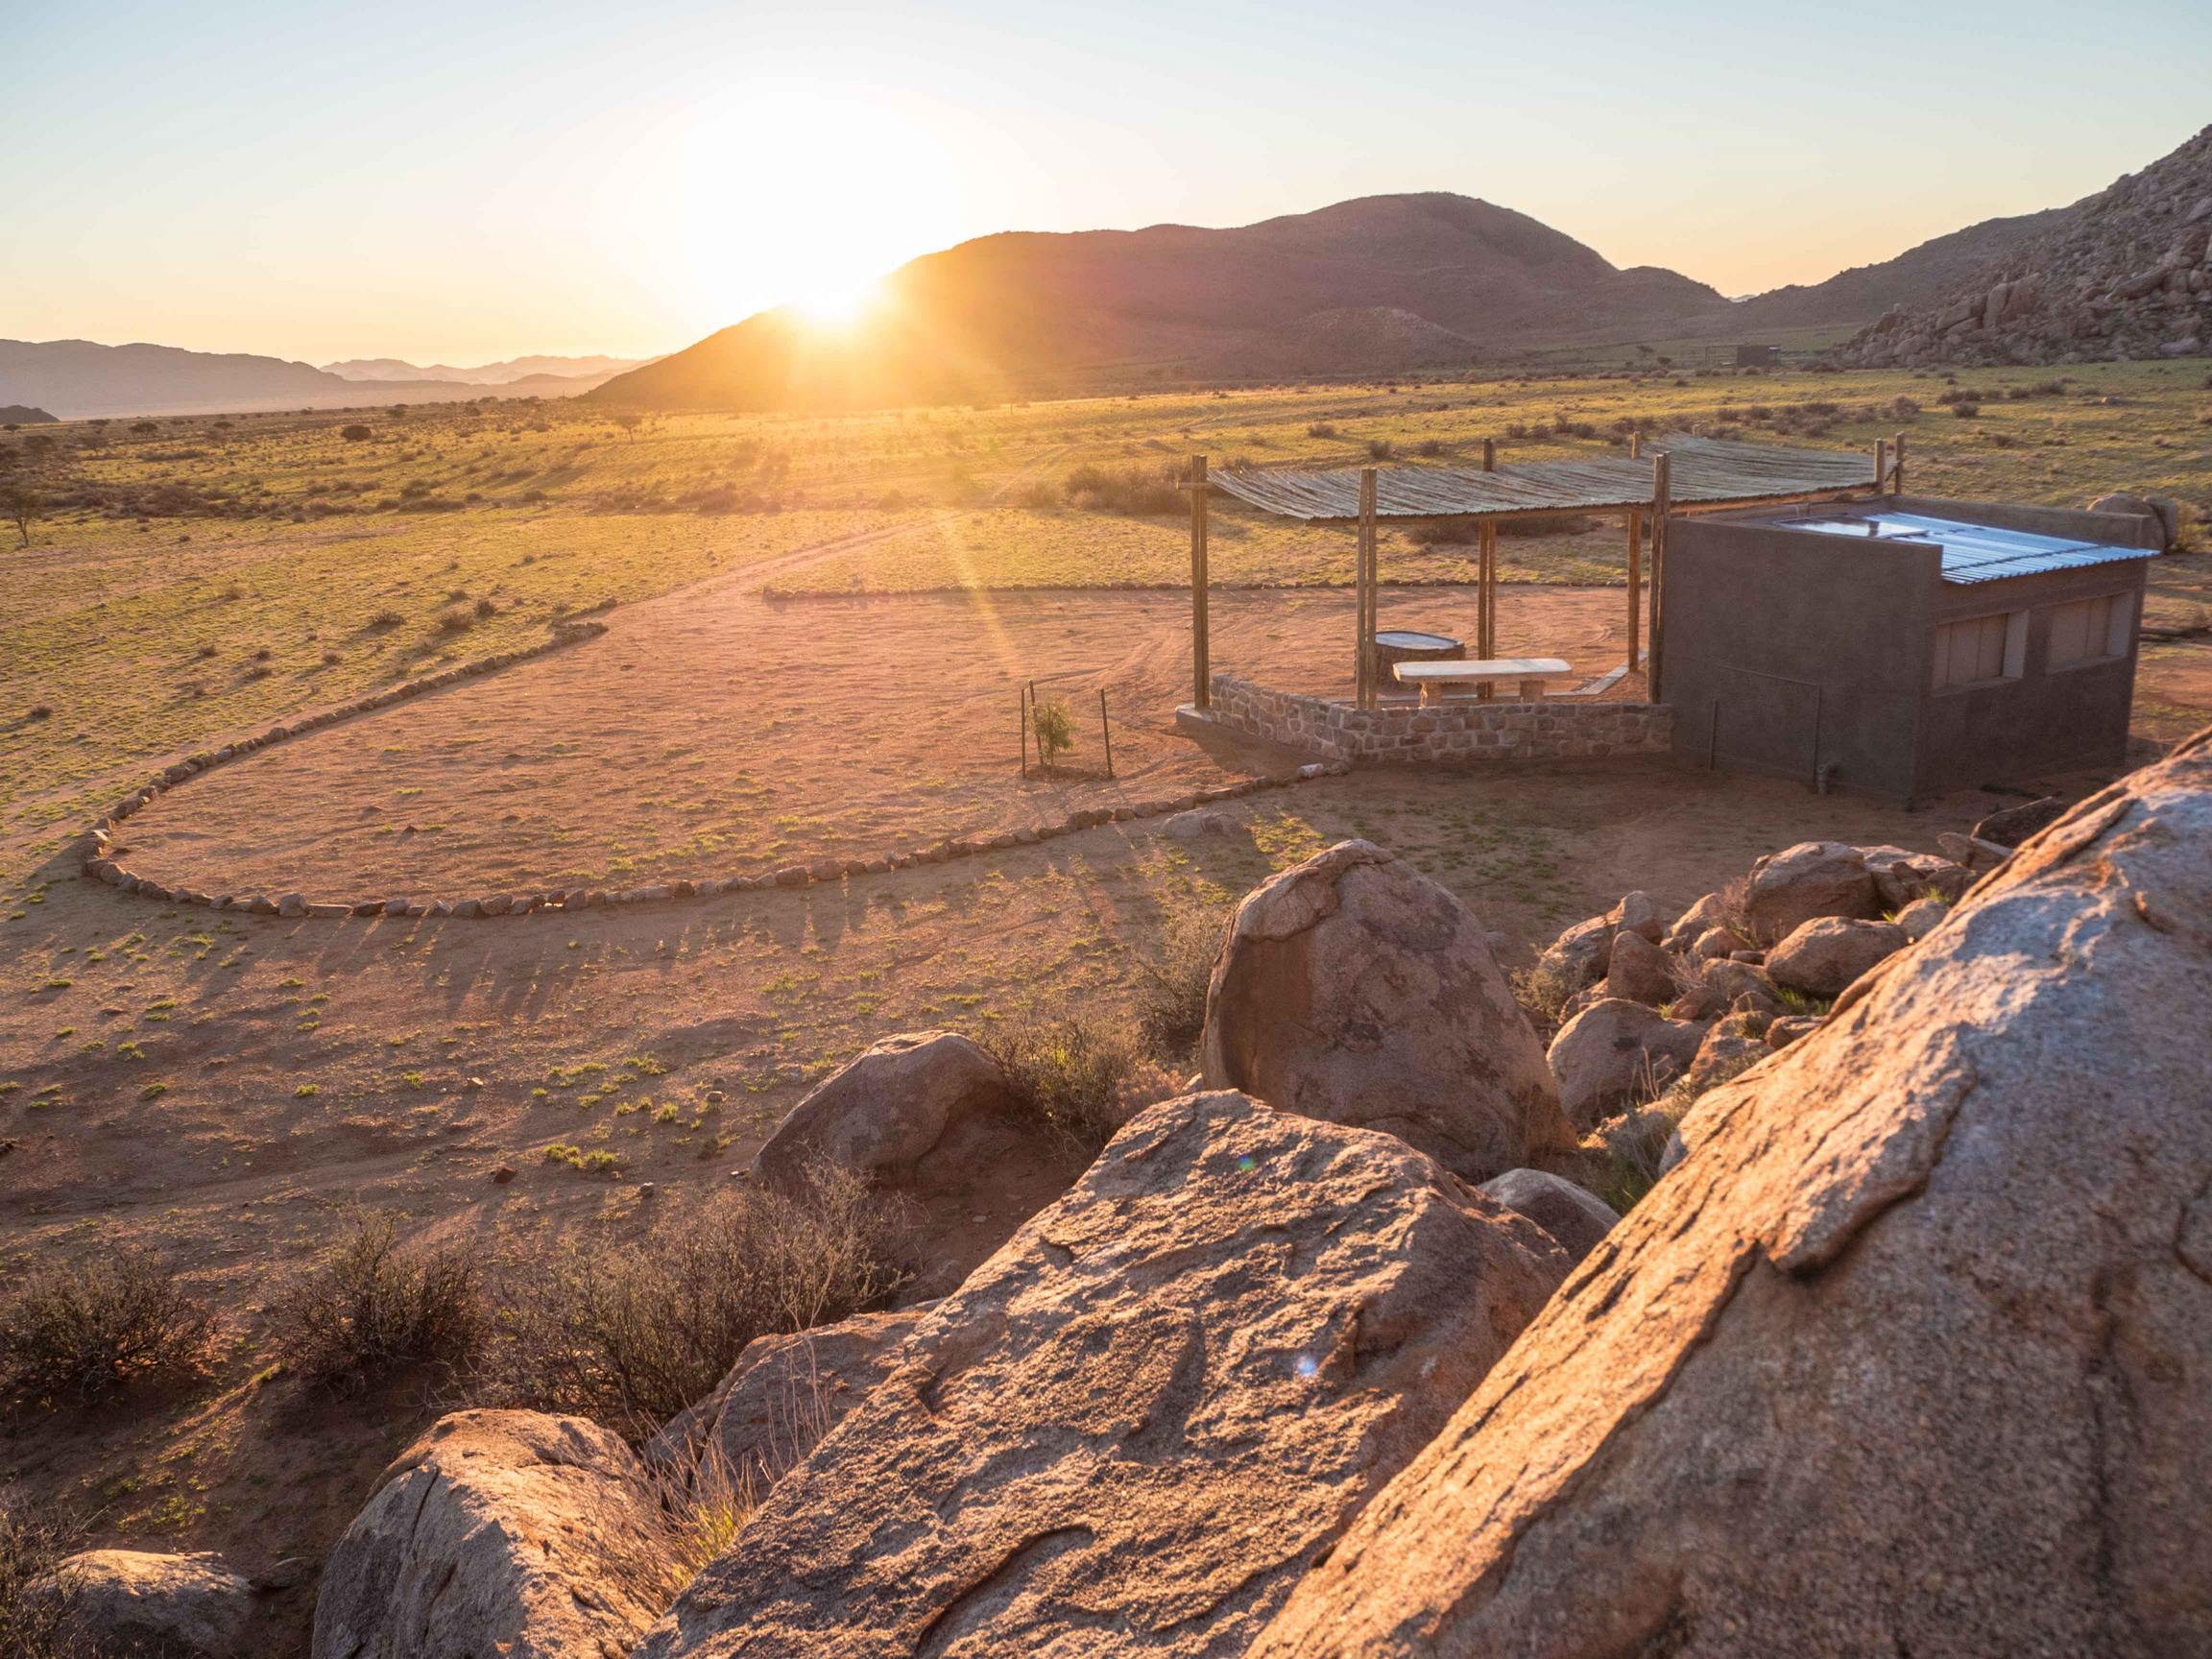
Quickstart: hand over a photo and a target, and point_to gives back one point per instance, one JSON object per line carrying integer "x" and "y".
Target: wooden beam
{"x": 1899, "y": 473}
{"x": 1486, "y": 602}
{"x": 1635, "y": 588}
{"x": 1489, "y": 454}
{"x": 1635, "y": 445}
{"x": 1880, "y": 465}
{"x": 1201, "y": 647}
{"x": 1364, "y": 668}
{"x": 1661, "y": 493}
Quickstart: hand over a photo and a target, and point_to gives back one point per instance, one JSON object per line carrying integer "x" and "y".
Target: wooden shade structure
{"x": 1684, "y": 474}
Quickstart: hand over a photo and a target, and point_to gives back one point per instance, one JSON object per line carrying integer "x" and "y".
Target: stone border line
{"x": 772, "y": 595}
{"x": 98, "y": 866}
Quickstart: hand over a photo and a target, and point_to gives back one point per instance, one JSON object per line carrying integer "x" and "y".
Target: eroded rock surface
{"x": 1354, "y": 989}
{"x": 499, "y": 1532}
{"x": 1135, "y": 1427}
{"x": 1912, "y": 1353}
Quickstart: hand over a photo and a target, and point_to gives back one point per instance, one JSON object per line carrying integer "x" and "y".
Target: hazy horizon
{"x": 424, "y": 184}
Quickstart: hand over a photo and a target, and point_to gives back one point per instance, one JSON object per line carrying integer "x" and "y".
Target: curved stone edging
{"x": 818, "y": 595}
{"x": 97, "y": 866}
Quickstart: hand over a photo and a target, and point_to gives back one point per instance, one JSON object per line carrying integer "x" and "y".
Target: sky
{"x": 464, "y": 181}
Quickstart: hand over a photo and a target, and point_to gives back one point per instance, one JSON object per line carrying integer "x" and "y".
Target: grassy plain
{"x": 228, "y": 1087}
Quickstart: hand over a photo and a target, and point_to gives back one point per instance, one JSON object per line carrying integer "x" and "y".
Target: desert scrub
{"x": 33, "y": 1625}
{"x": 1080, "y": 1075}
{"x": 75, "y": 1332}
{"x": 633, "y": 1333}
{"x": 1053, "y": 729}
{"x": 1172, "y": 981}
{"x": 369, "y": 1306}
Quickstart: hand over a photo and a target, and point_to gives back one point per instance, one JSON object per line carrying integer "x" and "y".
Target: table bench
{"x": 1435, "y": 679}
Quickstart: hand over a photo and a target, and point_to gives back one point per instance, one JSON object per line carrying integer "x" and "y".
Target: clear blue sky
{"x": 463, "y": 182}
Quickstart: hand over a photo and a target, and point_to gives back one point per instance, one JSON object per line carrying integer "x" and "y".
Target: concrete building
{"x": 1902, "y": 646}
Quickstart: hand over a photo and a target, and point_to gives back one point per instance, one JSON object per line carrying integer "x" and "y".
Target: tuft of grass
{"x": 1078, "y": 1075}
{"x": 1173, "y": 980}
{"x": 32, "y": 1623}
{"x": 78, "y": 1332}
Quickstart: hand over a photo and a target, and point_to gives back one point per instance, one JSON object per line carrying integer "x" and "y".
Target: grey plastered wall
{"x": 1792, "y": 641}
{"x": 2048, "y": 719}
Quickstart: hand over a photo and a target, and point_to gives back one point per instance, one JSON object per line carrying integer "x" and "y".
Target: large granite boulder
{"x": 1912, "y": 1354}
{"x": 1616, "y": 1052}
{"x": 1135, "y": 1428}
{"x": 131, "y": 1601}
{"x": 1789, "y": 888}
{"x": 784, "y": 1394}
{"x": 883, "y": 1112}
{"x": 1824, "y": 956}
{"x": 508, "y": 1532}
{"x": 1354, "y": 989}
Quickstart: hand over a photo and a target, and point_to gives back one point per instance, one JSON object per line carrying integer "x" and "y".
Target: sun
{"x": 836, "y": 306}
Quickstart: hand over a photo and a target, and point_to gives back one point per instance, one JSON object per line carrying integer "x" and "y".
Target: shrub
{"x": 33, "y": 1625}
{"x": 632, "y": 1334}
{"x": 1430, "y": 446}
{"x": 369, "y": 1306}
{"x": 1053, "y": 729}
{"x": 386, "y": 618}
{"x": 1320, "y": 429}
{"x": 40, "y": 712}
{"x": 355, "y": 433}
{"x": 1172, "y": 983}
{"x": 455, "y": 621}
{"x": 1139, "y": 492}
{"x": 1543, "y": 993}
{"x": 77, "y": 1332}
{"x": 486, "y": 609}
{"x": 1077, "y": 1075}
{"x": 1381, "y": 449}
{"x": 1965, "y": 411}
{"x": 1442, "y": 533}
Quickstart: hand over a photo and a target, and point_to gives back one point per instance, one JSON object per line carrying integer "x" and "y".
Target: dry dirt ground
{"x": 714, "y": 733}
{"x": 228, "y": 1088}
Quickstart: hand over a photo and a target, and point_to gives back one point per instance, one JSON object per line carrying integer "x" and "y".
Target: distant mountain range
{"x": 1380, "y": 285}
{"x": 594, "y": 369}
{"x": 79, "y": 379}
{"x": 1383, "y": 284}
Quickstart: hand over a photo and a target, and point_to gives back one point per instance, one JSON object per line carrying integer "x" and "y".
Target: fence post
{"x": 1021, "y": 708}
{"x": 1105, "y": 731}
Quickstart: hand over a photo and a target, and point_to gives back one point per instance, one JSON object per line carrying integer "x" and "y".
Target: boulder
{"x": 2133, "y": 506}
{"x": 1901, "y": 876}
{"x": 1726, "y": 1050}
{"x": 1693, "y": 924}
{"x": 1132, "y": 1429}
{"x": 883, "y": 1112}
{"x": 1613, "y": 1052}
{"x": 2015, "y": 824}
{"x": 1921, "y": 917}
{"x": 1717, "y": 942}
{"x": 1911, "y": 1353}
{"x": 1742, "y": 984}
{"x": 1822, "y": 958}
{"x": 1353, "y": 988}
{"x": 1578, "y": 957}
{"x": 126, "y": 1601}
{"x": 1577, "y": 1217}
{"x": 1197, "y": 822}
{"x": 1640, "y": 970}
{"x": 509, "y": 1533}
{"x": 784, "y": 1394}
{"x": 1790, "y": 1027}
{"x": 1813, "y": 879}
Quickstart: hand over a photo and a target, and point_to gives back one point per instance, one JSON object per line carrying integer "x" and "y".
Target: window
{"x": 1977, "y": 649}
{"x": 2091, "y": 629}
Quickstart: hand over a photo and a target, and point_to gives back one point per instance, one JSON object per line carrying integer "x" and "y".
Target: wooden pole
{"x": 1487, "y": 612}
{"x": 1105, "y": 731}
{"x": 1201, "y": 648}
{"x": 1364, "y": 672}
{"x": 1881, "y": 464}
{"x": 1489, "y": 454}
{"x": 1022, "y": 707}
{"x": 1662, "y": 489}
{"x": 1899, "y": 473}
{"x": 1635, "y": 445}
{"x": 1635, "y": 588}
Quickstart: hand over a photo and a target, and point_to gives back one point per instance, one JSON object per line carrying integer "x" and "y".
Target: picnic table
{"x": 1435, "y": 679}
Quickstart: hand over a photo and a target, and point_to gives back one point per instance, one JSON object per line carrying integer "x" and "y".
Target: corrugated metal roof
{"x": 1976, "y": 552}
{"x": 1700, "y": 470}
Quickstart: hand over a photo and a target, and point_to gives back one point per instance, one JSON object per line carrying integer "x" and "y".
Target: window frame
{"x": 2012, "y": 665}
{"x": 2121, "y": 621}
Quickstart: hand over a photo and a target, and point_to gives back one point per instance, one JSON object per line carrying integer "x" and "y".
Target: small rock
{"x": 132, "y": 1601}
{"x": 502, "y": 1173}
{"x": 1640, "y": 970}
{"x": 292, "y": 905}
{"x": 1191, "y": 826}
{"x": 2016, "y": 824}
{"x": 1576, "y": 1217}
{"x": 1614, "y": 1051}
{"x": 1921, "y": 917}
{"x": 1781, "y": 1032}
{"x": 1811, "y": 879}
{"x": 1824, "y": 955}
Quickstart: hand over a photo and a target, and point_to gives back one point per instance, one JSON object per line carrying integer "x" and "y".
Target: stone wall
{"x": 1455, "y": 734}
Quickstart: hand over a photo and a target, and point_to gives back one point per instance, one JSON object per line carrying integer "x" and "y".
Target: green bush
{"x": 1053, "y": 729}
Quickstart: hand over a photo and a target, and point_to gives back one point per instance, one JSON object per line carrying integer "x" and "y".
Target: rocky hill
{"x": 1377, "y": 284}
{"x": 2123, "y": 274}
{"x": 1908, "y": 282}
{"x": 23, "y": 415}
